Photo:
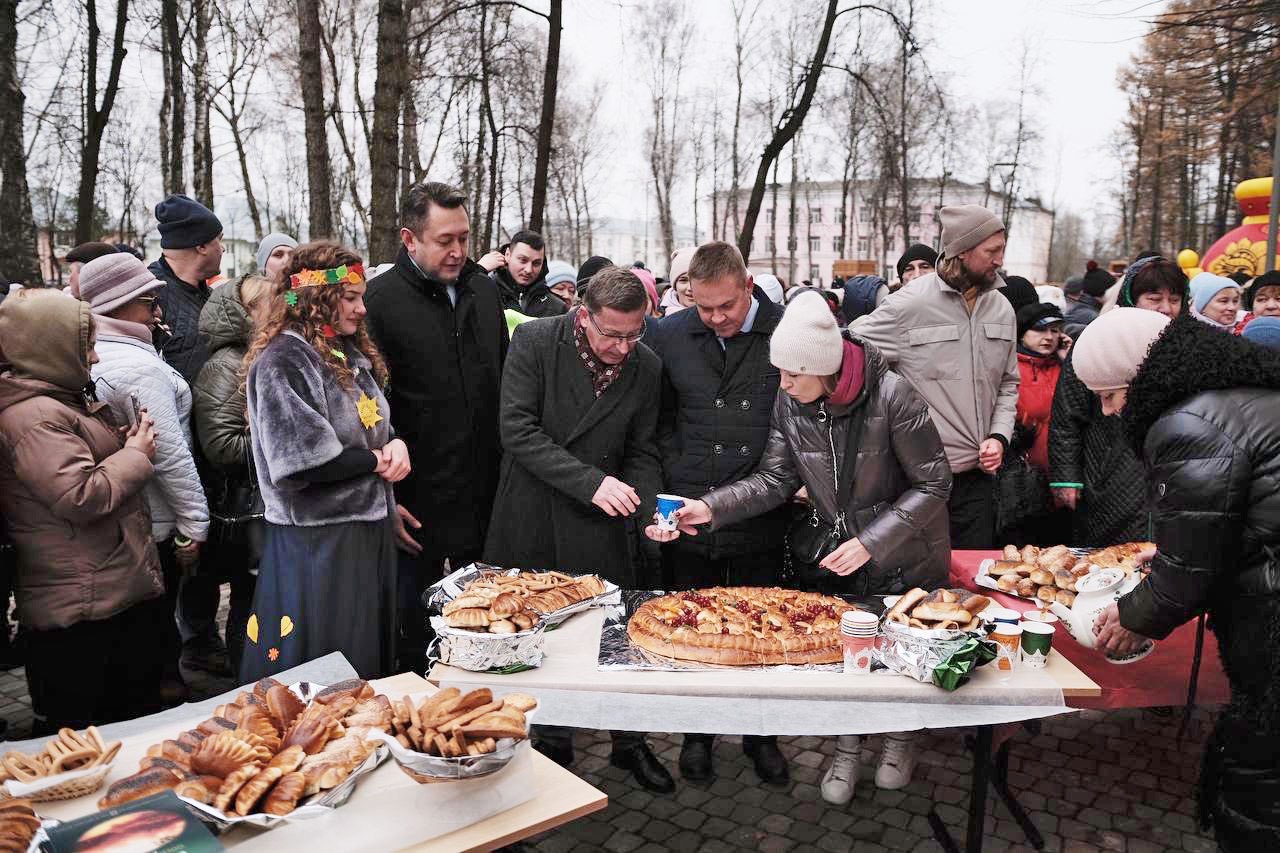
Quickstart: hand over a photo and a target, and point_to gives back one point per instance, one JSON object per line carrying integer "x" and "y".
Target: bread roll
{"x": 1007, "y": 583}
{"x": 1042, "y": 577}
{"x": 907, "y": 601}
{"x": 1065, "y": 597}
{"x": 1008, "y": 567}
{"x": 940, "y": 612}
{"x": 285, "y": 795}
{"x": 144, "y": 783}
{"x": 1030, "y": 553}
{"x": 469, "y": 618}
{"x": 232, "y": 785}
{"x": 284, "y": 707}
{"x": 1026, "y": 588}
{"x": 1047, "y": 593}
{"x": 502, "y": 626}
{"x": 1012, "y": 553}
{"x": 256, "y": 788}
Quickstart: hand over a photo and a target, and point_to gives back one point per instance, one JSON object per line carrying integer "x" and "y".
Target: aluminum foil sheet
{"x": 916, "y": 652}
{"x": 480, "y": 651}
{"x": 618, "y": 653}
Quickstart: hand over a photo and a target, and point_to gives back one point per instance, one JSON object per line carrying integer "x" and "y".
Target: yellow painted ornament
{"x": 286, "y": 626}
{"x": 367, "y": 407}
{"x": 252, "y": 628}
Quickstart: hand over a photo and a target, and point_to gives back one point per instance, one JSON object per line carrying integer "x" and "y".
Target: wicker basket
{"x": 66, "y": 790}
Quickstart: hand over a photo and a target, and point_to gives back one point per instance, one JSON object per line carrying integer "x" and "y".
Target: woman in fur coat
{"x": 325, "y": 458}
{"x": 1203, "y": 411}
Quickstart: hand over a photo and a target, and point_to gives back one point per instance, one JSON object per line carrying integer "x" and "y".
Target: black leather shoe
{"x": 644, "y": 766}
{"x": 561, "y": 754}
{"x": 771, "y": 766}
{"x": 695, "y": 760}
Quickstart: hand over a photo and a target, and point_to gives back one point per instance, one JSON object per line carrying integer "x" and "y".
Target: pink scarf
{"x": 852, "y": 371}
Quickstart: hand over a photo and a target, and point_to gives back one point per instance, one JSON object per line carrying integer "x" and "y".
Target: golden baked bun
{"x": 221, "y": 755}
{"x": 472, "y": 617}
{"x": 284, "y": 707}
{"x": 232, "y": 785}
{"x": 1042, "y": 577}
{"x": 285, "y": 795}
{"x": 256, "y": 788}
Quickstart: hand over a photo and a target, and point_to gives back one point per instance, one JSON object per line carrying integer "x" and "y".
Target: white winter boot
{"x": 897, "y": 760}
{"x": 842, "y": 773}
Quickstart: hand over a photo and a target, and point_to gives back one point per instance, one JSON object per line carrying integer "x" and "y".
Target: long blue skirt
{"x": 321, "y": 590}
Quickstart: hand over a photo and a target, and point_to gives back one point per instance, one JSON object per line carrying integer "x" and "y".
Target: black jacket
{"x": 901, "y": 481}
{"x": 560, "y": 442}
{"x": 445, "y": 366}
{"x": 1088, "y": 451}
{"x": 1205, "y": 408}
{"x": 184, "y": 347}
{"x": 717, "y": 407}
{"x": 536, "y": 300}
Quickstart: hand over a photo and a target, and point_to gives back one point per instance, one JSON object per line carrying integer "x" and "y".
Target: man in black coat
{"x": 718, "y": 389}
{"x": 437, "y": 319}
{"x": 520, "y": 271}
{"x": 579, "y": 418}
{"x": 191, "y": 254}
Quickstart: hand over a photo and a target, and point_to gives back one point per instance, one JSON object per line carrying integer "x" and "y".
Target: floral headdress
{"x": 345, "y": 274}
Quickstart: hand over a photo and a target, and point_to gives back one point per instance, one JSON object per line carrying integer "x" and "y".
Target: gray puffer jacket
{"x": 898, "y": 504}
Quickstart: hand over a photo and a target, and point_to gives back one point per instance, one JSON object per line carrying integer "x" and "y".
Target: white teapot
{"x": 1094, "y": 593}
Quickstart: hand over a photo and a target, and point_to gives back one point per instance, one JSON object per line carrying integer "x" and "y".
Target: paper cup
{"x": 1003, "y": 615}
{"x": 1037, "y": 639}
{"x": 1007, "y": 639}
{"x": 859, "y": 623}
{"x": 1042, "y": 616}
{"x": 667, "y": 505}
{"x": 858, "y": 652}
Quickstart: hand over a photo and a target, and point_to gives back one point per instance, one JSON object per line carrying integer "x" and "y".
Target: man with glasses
{"x": 578, "y": 419}
{"x": 718, "y": 389}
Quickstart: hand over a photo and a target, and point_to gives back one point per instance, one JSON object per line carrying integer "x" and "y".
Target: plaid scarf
{"x": 602, "y": 375}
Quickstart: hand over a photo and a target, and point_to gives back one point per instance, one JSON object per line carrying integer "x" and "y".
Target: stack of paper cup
{"x": 858, "y": 630}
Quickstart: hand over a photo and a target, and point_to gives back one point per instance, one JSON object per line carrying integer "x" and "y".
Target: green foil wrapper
{"x": 955, "y": 670}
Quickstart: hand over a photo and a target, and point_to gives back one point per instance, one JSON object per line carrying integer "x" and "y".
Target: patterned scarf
{"x": 602, "y": 375}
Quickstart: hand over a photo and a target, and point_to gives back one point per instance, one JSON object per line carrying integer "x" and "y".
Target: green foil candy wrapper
{"x": 955, "y": 670}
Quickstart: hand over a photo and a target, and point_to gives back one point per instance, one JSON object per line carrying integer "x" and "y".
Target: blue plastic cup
{"x": 667, "y": 505}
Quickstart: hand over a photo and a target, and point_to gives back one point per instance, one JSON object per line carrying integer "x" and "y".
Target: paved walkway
{"x": 1111, "y": 781}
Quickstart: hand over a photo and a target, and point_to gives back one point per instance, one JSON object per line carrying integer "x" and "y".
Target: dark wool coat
{"x": 300, "y": 417}
{"x": 901, "y": 481}
{"x": 1088, "y": 451}
{"x": 560, "y": 442}
{"x": 717, "y": 406}
{"x": 1205, "y": 407}
{"x": 445, "y": 366}
{"x": 186, "y": 350}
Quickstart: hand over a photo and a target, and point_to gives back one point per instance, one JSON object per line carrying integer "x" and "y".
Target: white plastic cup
{"x": 667, "y": 505}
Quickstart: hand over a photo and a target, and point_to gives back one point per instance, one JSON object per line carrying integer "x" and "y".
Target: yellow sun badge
{"x": 367, "y": 407}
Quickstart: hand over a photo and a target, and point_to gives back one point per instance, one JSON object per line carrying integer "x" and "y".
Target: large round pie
{"x": 741, "y": 626}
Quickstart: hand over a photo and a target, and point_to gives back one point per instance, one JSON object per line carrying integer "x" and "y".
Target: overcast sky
{"x": 1078, "y": 48}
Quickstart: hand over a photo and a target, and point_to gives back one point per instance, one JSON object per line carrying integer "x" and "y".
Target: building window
{"x": 815, "y": 274}
{"x": 837, "y": 244}
{"x": 913, "y": 213}
{"x": 864, "y": 213}
{"x": 768, "y": 215}
{"x": 769, "y": 245}
{"x": 864, "y": 247}
{"x": 815, "y": 244}
{"x": 840, "y": 217}
{"x": 815, "y": 214}
{"x": 791, "y": 244}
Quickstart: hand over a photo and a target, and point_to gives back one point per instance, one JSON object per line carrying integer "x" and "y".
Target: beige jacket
{"x": 964, "y": 365}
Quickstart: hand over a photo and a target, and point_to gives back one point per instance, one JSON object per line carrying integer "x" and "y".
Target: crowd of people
{"x": 329, "y": 438}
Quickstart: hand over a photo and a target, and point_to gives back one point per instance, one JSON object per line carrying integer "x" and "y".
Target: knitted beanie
{"x": 1206, "y": 285}
{"x": 1264, "y": 331}
{"x": 1096, "y": 282}
{"x": 917, "y": 252}
{"x": 1019, "y": 292}
{"x": 560, "y": 271}
{"x": 590, "y": 267}
{"x": 1267, "y": 279}
{"x": 770, "y": 285}
{"x": 965, "y": 226}
{"x": 184, "y": 222}
{"x": 1038, "y": 316}
{"x": 1112, "y": 348}
{"x": 679, "y": 265}
{"x": 1073, "y": 286}
{"x": 110, "y": 281}
{"x": 807, "y": 339}
{"x": 269, "y": 244}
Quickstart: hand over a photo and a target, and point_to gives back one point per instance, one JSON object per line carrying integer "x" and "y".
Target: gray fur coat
{"x": 301, "y": 418}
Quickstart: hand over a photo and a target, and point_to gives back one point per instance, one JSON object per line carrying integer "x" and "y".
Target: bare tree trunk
{"x": 791, "y": 214}
{"x": 773, "y": 225}
{"x": 173, "y": 109}
{"x": 409, "y": 148}
{"x": 384, "y": 154}
{"x": 311, "y": 80}
{"x": 95, "y": 116}
{"x": 17, "y": 227}
{"x": 201, "y": 140}
{"x": 784, "y": 133}
{"x": 237, "y": 137}
{"x": 550, "y": 79}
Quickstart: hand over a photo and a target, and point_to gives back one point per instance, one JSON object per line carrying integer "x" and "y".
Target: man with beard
{"x": 520, "y": 271}
{"x": 437, "y": 318}
{"x": 953, "y": 337}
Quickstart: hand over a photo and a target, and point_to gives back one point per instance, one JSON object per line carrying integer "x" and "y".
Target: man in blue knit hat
{"x": 190, "y": 255}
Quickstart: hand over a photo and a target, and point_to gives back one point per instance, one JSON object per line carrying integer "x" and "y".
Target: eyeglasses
{"x": 632, "y": 338}
{"x": 149, "y": 301}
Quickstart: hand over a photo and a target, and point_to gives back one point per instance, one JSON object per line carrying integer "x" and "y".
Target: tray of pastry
{"x": 274, "y": 754}
{"x": 483, "y": 598}
{"x": 1049, "y": 575}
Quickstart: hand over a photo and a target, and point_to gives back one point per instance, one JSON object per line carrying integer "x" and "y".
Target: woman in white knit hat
{"x": 861, "y": 441}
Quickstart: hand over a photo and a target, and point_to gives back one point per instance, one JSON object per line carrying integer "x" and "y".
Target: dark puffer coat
{"x": 901, "y": 481}
{"x": 716, "y": 414}
{"x": 1089, "y": 452}
{"x": 185, "y": 349}
{"x": 536, "y": 300}
{"x": 1205, "y": 409}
